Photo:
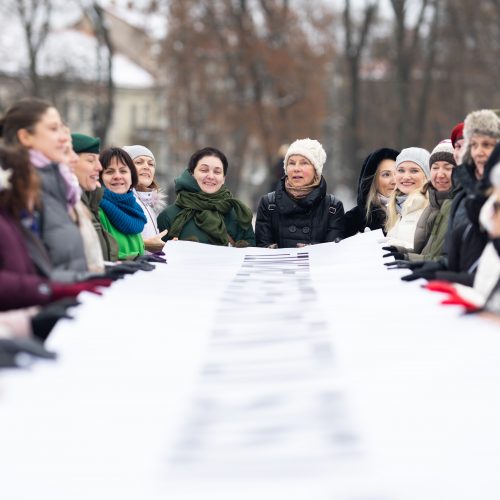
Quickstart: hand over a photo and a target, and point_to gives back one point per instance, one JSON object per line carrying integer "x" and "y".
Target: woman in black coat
{"x": 300, "y": 212}
{"x": 375, "y": 185}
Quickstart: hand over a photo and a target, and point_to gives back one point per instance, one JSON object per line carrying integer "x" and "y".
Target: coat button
{"x": 305, "y": 229}
{"x": 292, "y": 228}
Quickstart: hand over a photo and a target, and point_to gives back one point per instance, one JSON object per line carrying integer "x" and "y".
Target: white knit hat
{"x": 310, "y": 149}
{"x": 419, "y": 156}
{"x": 442, "y": 152}
{"x": 138, "y": 150}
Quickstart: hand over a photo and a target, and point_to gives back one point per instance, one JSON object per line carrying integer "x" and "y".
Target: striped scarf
{"x": 123, "y": 212}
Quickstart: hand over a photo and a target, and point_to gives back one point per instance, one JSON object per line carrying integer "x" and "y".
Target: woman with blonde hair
{"x": 407, "y": 202}
{"x": 375, "y": 185}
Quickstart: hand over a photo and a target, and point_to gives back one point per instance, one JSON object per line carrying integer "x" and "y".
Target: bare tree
{"x": 244, "y": 78}
{"x": 35, "y": 16}
{"x": 102, "y": 114}
{"x": 354, "y": 46}
{"x": 407, "y": 43}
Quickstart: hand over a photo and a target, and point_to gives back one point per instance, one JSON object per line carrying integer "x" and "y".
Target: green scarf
{"x": 208, "y": 212}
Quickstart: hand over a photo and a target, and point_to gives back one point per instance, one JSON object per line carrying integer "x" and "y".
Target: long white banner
{"x": 309, "y": 373}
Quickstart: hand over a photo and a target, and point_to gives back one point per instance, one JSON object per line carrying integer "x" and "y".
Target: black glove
{"x": 16, "y": 353}
{"x": 396, "y": 255}
{"x": 43, "y": 322}
{"x": 151, "y": 258}
{"x": 120, "y": 270}
{"x": 391, "y": 248}
{"x": 395, "y": 252}
{"x": 398, "y": 264}
{"x": 405, "y": 264}
{"x": 427, "y": 271}
{"x": 142, "y": 266}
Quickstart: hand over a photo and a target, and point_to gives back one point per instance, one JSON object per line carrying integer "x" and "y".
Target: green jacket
{"x": 435, "y": 243}
{"x": 129, "y": 245}
{"x": 191, "y": 231}
{"x": 109, "y": 246}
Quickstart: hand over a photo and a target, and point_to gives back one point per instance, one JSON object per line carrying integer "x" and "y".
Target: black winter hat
{"x": 369, "y": 169}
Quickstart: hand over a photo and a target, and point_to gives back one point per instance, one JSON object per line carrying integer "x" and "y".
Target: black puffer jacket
{"x": 471, "y": 192}
{"x": 355, "y": 219}
{"x": 317, "y": 218}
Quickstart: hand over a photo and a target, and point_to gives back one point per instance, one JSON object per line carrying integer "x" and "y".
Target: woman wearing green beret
{"x": 205, "y": 210}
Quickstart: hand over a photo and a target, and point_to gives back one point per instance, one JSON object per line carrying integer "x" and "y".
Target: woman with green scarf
{"x": 205, "y": 210}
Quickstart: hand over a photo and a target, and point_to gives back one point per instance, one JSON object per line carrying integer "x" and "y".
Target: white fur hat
{"x": 310, "y": 149}
{"x": 483, "y": 122}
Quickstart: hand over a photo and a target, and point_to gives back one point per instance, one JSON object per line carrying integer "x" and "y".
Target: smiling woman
{"x": 148, "y": 194}
{"x": 205, "y": 211}
{"x": 36, "y": 126}
{"x": 407, "y": 202}
{"x": 119, "y": 211}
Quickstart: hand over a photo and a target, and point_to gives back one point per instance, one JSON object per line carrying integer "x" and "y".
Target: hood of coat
{"x": 369, "y": 169}
{"x": 289, "y": 205}
{"x": 186, "y": 182}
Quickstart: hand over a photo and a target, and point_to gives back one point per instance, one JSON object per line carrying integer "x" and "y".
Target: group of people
{"x": 75, "y": 217}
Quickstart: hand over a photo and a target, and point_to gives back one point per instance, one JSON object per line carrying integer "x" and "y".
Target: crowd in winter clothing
{"x": 75, "y": 217}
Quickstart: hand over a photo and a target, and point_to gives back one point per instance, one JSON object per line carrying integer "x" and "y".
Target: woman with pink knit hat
{"x": 300, "y": 212}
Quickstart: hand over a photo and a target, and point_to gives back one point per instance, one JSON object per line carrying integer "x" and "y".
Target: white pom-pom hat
{"x": 310, "y": 149}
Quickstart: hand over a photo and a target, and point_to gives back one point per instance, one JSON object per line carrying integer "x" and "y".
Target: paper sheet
{"x": 313, "y": 373}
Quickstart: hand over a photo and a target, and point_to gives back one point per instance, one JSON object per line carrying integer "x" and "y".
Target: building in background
{"x": 73, "y": 67}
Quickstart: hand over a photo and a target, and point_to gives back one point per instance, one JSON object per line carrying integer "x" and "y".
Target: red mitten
{"x": 441, "y": 286}
{"x": 62, "y": 290}
{"x": 459, "y": 301}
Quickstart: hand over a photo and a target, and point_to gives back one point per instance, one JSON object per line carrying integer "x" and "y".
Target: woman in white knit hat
{"x": 407, "y": 202}
{"x": 148, "y": 194}
{"x": 300, "y": 212}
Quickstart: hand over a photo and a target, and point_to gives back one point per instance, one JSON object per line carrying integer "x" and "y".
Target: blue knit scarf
{"x": 123, "y": 212}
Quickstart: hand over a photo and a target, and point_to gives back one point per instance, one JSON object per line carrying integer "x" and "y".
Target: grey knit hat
{"x": 138, "y": 150}
{"x": 443, "y": 152}
{"x": 420, "y": 156}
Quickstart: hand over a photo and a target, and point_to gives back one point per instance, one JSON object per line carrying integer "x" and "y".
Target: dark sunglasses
{"x": 496, "y": 206}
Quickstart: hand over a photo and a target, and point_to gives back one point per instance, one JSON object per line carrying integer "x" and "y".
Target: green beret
{"x": 85, "y": 144}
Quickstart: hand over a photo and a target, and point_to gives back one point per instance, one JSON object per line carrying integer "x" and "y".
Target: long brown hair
{"x": 24, "y": 182}
{"x": 23, "y": 114}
